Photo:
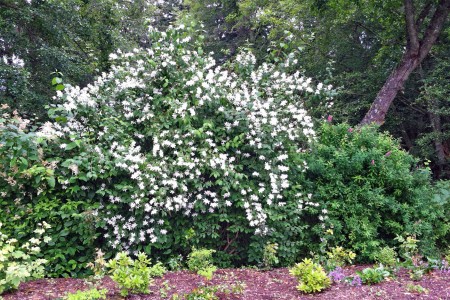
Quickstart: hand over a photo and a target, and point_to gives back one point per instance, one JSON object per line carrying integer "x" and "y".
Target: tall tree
{"x": 417, "y": 48}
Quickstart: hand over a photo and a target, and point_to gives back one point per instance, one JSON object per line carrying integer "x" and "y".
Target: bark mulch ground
{"x": 249, "y": 284}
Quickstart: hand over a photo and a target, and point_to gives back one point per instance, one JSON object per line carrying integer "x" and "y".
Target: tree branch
{"x": 434, "y": 28}
{"x": 413, "y": 38}
{"x": 423, "y": 14}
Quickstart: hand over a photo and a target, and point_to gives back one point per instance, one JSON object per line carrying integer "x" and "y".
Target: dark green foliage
{"x": 371, "y": 189}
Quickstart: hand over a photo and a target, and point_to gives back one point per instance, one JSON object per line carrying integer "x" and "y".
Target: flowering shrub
{"x": 168, "y": 140}
{"x": 20, "y": 263}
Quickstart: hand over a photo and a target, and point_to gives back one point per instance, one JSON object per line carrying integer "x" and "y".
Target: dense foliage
{"x": 169, "y": 151}
{"x": 20, "y": 262}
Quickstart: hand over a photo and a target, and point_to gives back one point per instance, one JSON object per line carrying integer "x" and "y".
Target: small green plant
{"x": 371, "y": 276}
{"x": 210, "y": 292}
{"x": 413, "y": 288}
{"x": 131, "y": 275}
{"x": 386, "y": 256}
{"x": 203, "y": 293}
{"x": 409, "y": 249}
{"x": 164, "y": 289}
{"x": 311, "y": 276}
{"x": 19, "y": 263}
{"x": 158, "y": 270}
{"x": 270, "y": 258}
{"x": 200, "y": 261}
{"x": 339, "y": 257}
{"x": 175, "y": 263}
{"x": 99, "y": 264}
{"x": 92, "y": 294}
{"x": 416, "y": 274}
{"x": 413, "y": 260}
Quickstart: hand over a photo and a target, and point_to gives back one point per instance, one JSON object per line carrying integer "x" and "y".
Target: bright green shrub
{"x": 270, "y": 258}
{"x": 20, "y": 262}
{"x": 338, "y": 257}
{"x": 386, "y": 256}
{"x": 201, "y": 261}
{"x": 311, "y": 276}
{"x": 368, "y": 190}
{"x": 157, "y": 270}
{"x": 132, "y": 276}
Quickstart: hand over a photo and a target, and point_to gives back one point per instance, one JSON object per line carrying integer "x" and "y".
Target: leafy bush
{"x": 30, "y": 194}
{"x": 201, "y": 261}
{"x": 373, "y": 275}
{"x": 270, "y": 258}
{"x": 440, "y": 203}
{"x": 311, "y": 276}
{"x": 132, "y": 276}
{"x": 92, "y": 294}
{"x": 157, "y": 270}
{"x": 20, "y": 263}
{"x": 338, "y": 257}
{"x": 370, "y": 190}
{"x": 386, "y": 256}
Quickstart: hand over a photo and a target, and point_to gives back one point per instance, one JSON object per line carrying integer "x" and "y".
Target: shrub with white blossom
{"x": 168, "y": 135}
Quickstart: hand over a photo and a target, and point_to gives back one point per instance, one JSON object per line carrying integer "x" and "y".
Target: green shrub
{"x": 92, "y": 294}
{"x": 386, "y": 256}
{"x": 132, "y": 276}
{"x": 311, "y": 276}
{"x": 201, "y": 261}
{"x": 270, "y": 258}
{"x": 373, "y": 275}
{"x": 20, "y": 262}
{"x": 370, "y": 189}
{"x": 339, "y": 257}
{"x": 157, "y": 270}
{"x": 36, "y": 187}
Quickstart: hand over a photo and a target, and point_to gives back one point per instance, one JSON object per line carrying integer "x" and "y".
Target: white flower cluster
{"x": 189, "y": 137}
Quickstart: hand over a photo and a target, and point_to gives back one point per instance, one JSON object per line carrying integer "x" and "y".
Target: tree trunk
{"x": 390, "y": 89}
{"x": 438, "y": 145}
{"x": 416, "y": 51}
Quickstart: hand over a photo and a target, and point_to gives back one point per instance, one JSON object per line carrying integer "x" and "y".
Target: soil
{"x": 254, "y": 285}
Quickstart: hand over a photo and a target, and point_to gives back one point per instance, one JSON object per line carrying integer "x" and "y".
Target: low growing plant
{"x": 99, "y": 264}
{"x": 416, "y": 288}
{"x": 175, "y": 263}
{"x": 19, "y": 263}
{"x": 371, "y": 276}
{"x": 132, "y": 276}
{"x": 270, "y": 258}
{"x": 92, "y": 294}
{"x": 311, "y": 276}
{"x": 338, "y": 257}
{"x": 201, "y": 261}
{"x": 157, "y": 270}
{"x": 386, "y": 256}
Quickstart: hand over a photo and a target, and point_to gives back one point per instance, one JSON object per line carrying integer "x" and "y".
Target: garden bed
{"x": 248, "y": 284}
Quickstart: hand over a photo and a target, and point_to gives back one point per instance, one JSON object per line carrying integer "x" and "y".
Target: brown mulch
{"x": 257, "y": 285}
